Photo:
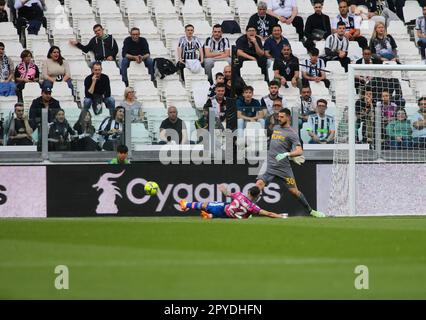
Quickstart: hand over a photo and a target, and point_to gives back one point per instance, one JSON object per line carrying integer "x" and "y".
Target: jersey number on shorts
{"x": 290, "y": 181}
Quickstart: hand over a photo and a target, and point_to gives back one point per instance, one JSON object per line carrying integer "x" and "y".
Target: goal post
{"x": 379, "y": 163}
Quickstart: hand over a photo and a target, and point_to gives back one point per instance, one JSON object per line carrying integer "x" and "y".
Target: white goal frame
{"x": 352, "y": 68}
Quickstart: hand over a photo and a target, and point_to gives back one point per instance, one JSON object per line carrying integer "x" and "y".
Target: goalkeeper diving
{"x": 285, "y": 146}
{"x": 241, "y": 207}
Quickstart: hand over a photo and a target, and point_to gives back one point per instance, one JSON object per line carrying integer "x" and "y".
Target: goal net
{"x": 379, "y": 163}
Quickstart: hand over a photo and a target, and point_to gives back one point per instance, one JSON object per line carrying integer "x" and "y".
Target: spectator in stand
{"x": 418, "y": 121}
{"x": 30, "y": 16}
{"x": 237, "y": 84}
{"x": 248, "y": 110}
{"x": 219, "y": 78}
{"x": 3, "y": 13}
{"x": 317, "y": 25}
{"x": 352, "y": 25}
{"x": 11, "y": 6}
{"x": 306, "y": 105}
{"x": 173, "y": 129}
{"x": 56, "y": 69}
{"x": 367, "y": 58}
{"x": 131, "y": 102}
{"x": 286, "y": 12}
{"x": 203, "y": 121}
{"x": 272, "y": 118}
{"x": 263, "y": 21}
{"x": 250, "y": 48}
{"x": 20, "y": 131}
{"x": 365, "y": 113}
{"x": 274, "y": 45}
{"x": 7, "y": 86}
{"x": 390, "y": 84}
{"x": 103, "y": 46}
{"x": 399, "y": 132}
{"x": 383, "y": 45}
{"x": 287, "y": 68}
{"x": 388, "y": 108}
{"x": 219, "y": 103}
{"x": 111, "y": 130}
{"x": 86, "y": 133}
{"x": 397, "y": 7}
{"x": 421, "y": 33}
{"x": 365, "y": 9}
{"x": 136, "y": 48}
{"x": 26, "y": 71}
{"x": 321, "y": 127}
{"x": 190, "y": 52}
{"x": 216, "y": 48}
{"x": 45, "y": 101}
{"x": 337, "y": 46}
{"x": 60, "y": 133}
{"x": 267, "y": 102}
{"x": 97, "y": 89}
{"x": 312, "y": 69}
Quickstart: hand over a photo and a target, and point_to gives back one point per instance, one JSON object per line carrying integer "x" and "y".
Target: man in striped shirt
{"x": 189, "y": 49}
{"x": 216, "y": 48}
{"x": 321, "y": 127}
{"x": 337, "y": 46}
{"x": 312, "y": 69}
{"x": 352, "y": 25}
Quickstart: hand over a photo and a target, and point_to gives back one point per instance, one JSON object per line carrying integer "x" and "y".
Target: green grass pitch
{"x": 190, "y": 258}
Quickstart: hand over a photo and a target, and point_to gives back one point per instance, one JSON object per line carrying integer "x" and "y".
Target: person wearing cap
{"x": 45, "y": 101}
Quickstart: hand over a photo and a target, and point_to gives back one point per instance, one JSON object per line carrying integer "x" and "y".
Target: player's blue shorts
{"x": 217, "y": 209}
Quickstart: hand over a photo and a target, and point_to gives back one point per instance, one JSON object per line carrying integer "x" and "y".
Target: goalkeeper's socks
{"x": 194, "y": 205}
{"x": 301, "y": 198}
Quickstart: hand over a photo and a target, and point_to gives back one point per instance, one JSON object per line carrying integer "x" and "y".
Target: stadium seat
{"x": 199, "y": 91}
{"x": 60, "y": 91}
{"x": 111, "y": 70}
{"x": 31, "y": 91}
{"x": 250, "y": 71}
{"x": 138, "y": 71}
{"x": 8, "y": 32}
{"x": 411, "y": 10}
{"x": 318, "y": 89}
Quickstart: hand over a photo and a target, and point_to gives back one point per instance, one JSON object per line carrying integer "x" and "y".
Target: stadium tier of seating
{"x": 162, "y": 23}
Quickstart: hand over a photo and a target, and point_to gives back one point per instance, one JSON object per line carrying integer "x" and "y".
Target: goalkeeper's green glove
{"x": 298, "y": 160}
{"x": 281, "y": 156}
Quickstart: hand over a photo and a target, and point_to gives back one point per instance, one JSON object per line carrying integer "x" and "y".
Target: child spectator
{"x": 219, "y": 78}
{"x": 399, "y": 132}
{"x": 249, "y": 110}
{"x": 122, "y": 153}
